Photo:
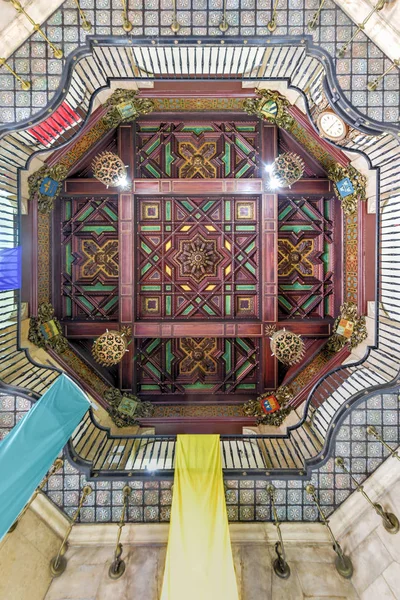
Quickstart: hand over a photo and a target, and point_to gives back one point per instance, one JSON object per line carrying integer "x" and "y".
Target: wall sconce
{"x": 281, "y": 568}
{"x": 389, "y": 520}
{"x": 117, "y": 567}
{"x": 58, "y": 564}
{"x": 343, "y": 563}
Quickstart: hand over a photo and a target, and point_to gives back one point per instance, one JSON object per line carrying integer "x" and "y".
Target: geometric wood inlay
{"x": 197, "y": 150}
{"x": 90, "y": 258}
{"x": 198, "y": 258}
{"x": 197, "y": 366}
{"x": 305, "y": 257}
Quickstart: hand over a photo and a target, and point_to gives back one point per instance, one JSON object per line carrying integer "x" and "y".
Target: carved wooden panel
{"x": 197, "y": 150}
{"x": 197, "y": 258}
{"x": 197, "y": 366}
{"x": 90, "y": 258}
{"x": 305, "y": 256}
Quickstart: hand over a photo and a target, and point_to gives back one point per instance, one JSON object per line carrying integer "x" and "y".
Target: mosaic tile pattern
{"x": 152, "y": 18}
{"x": 247, "y": 500}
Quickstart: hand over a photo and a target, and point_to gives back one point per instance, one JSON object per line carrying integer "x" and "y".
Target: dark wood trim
{"x": 303, "y": 120}
{"x": 335, "y": 361}
{"x": 57, "y": 155}
{"x": 176, "y": 329}
{"x": 86, "y": 329}
{"x": 315, "y": 328}
{"x": 58, "y": 359}
{"x": 222, "y": 425}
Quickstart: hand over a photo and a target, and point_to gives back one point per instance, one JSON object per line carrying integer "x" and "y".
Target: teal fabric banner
{"x": 31, "y": 447}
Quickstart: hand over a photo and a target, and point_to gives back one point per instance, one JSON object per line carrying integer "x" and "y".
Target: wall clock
{"x": 332, "y": 126}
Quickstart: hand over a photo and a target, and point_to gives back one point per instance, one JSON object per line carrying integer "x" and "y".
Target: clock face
{"x": 332, "y": 126}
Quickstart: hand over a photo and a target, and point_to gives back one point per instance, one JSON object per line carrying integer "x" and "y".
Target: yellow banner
{"x": 199, "y": 564}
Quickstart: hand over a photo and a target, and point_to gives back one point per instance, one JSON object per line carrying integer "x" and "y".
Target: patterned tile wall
{"x": 151, "y": 18}
{"x": 247, "y": 500}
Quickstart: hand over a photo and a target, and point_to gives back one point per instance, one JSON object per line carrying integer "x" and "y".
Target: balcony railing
{"x": 306, "y": 68}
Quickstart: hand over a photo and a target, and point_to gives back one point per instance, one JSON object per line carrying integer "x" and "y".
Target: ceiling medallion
{"x": 285, "y": 170}
{"x": 288, "y": 347}
{"x": 110, "y": 347}
{"x": 198, "y": 258}
{"x": 109, "y": 169}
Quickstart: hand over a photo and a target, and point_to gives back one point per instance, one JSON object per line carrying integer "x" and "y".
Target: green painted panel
{"x": 242, "y": 146}
{"x": 85, "y": 214}
{"x": 151, "y": 227}
{"x": 145, "y": 268}
{"x": 297, "y": 228}
{"x": 227, "y": 212}
{"x": 242, "y": 171}
{"x": 153, "y": 146}
{"x": 250, "y": 268}
{"x": 146, "y": 248}
{"x": 226, "y": 159}
{"x": 228, "y": 303}
{"x": 199, "y": 386}
{"x": 153, "y": 345}
{"x": 245, "y": 227}
{"x": 283, "y": 301}
{"x": 68, "y": 258}
{"x": 151, "y": 288}
{"x": 169, "y": 159}
{"x": 99, "y": 229}
{"x": 188, "y": 309}
{"x": 208, "y": 205}
{"x": 227, "y": 356}
{"x": 169, "y": 357}
{"x": 168, "y": 210}
{"x": 111, "y": 303}
{"x": 110, "y": 213}
{"x": 284, "y": 212}
{"x": 152, "y": 170}
{"x": 245, "y": 288}
{"x": 209, "y": 310}
{"x": 168, "y": 305}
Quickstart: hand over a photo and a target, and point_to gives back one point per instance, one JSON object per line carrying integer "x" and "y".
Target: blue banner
{"x": 29, "y": 450}
{"x": 10, "y": 268}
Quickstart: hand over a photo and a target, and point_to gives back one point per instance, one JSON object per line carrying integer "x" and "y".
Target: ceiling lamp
{"x": 286, "y": 170}
{"x": 109, "y": 349}
{"x": 288, "y": 347}
{"x": 109, "y": 169}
